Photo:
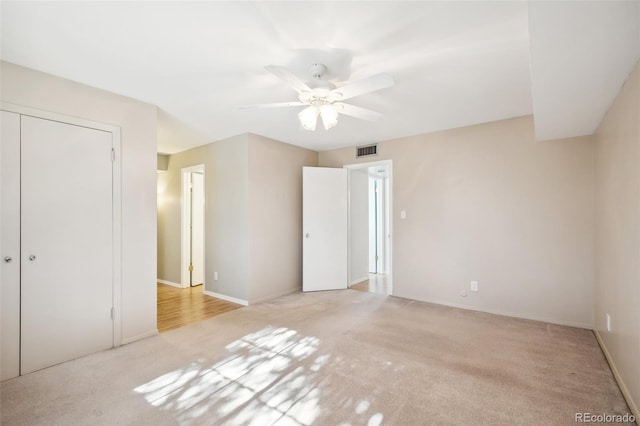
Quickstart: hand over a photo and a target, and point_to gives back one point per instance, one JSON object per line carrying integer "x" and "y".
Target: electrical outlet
{"x": 215, "y": 276}
{"x": 474, "y": 285}
{"x": 608, "y": 322}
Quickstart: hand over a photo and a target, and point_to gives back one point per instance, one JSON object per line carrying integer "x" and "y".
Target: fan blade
{"x": 288, "y": 77}
{"x": 357, "y": 112}
{"x": 273, "y": 105}
{"x": 360, "y": 87}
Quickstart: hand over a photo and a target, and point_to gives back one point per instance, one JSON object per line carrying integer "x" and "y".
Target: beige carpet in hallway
{"x": 330, "y": 358}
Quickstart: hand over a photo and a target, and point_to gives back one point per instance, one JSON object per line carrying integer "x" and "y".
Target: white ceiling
{"x": 455, "y": 63}
{"x": 581, "y": 53}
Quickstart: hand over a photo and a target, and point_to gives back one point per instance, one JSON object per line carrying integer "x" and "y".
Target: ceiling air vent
{"x": 366, "y": 151}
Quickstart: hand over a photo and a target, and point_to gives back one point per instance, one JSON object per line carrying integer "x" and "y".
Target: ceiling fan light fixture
{"x": 329, "y": 116}
{"x": 309, "y": 117}
{"x": 322, "y": 98}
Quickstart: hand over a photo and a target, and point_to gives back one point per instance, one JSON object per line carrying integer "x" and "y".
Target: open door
{"x": 193, "y": 210}
{"x": 196, "y": 250}
{"x": 324, "y": 228}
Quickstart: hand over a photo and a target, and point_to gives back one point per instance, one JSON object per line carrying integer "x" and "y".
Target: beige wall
{"x": 617, "y": 280}
{"x": 488, "y": 203}
{"x": 226, "y": 207}
{"x": 138, "y": 122}
{"x": 226, "y": 215}
{"x": 168, "y": 245}
{"x": 253, "y": 216}
{"x": 275, "y": 216}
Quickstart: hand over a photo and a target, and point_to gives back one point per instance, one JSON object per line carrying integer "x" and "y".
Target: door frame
{"x": 388, "y": 209}
{"x": 116, "y": 197}
{"x": 185, "y": 247}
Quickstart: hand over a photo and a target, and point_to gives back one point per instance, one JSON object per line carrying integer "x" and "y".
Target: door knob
{"x": 8, "y": 259}
{"x": 32, "y": 257}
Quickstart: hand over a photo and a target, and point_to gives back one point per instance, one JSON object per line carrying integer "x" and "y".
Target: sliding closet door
{"x": 67, "y": 242}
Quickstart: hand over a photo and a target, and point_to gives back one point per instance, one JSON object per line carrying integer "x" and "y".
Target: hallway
{"x": 178, "y": 307}
{"x": 377, "y": 283}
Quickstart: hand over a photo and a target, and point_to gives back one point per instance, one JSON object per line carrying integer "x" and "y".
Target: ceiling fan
{"x": 322, "y": 98}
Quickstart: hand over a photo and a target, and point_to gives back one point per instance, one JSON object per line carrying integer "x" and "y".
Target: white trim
{"x": 499, "y": 312}
{"x": 116, "y": 200}
{"x": 225, "y": 297}
{"x": 54, "y": 116}
{"x": 348, "y": 225}
{"x": 117, "y": 237}
{"x": 358, "y": 280}
{"x": 171, "y": 283}
{"x": 140, "y": 337}
{"x": 277, "y": 294}
{"x": 368, "y": 164}
{"x": 623, "y": 387}
{"x": 184, "y": 224}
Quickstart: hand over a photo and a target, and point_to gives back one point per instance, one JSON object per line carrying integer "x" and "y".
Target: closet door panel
{"x": 67, "y": 242}
{"x": 10, "y": 245}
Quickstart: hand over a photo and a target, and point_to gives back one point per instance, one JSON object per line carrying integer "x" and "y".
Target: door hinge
{"x": 190, "y": 268}
{"x": 113, "y": 313}
{"x": 113, "y": 155}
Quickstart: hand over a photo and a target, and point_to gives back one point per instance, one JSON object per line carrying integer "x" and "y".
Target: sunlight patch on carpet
{"x": 262, "y": 376}
{"x": 273, "y": 376}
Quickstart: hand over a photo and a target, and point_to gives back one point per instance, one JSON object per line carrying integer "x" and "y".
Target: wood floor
{"x": 178, "y": 307}
{"x": 377, "y": 283}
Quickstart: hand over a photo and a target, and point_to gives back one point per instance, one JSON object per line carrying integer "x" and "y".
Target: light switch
{"x": 403, "y": 214}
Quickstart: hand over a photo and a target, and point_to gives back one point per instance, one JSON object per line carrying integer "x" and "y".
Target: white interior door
{"x": 10, "y": 241}
{"x": 197, "y": 228}
{"x": 325, "y": 231}
{"x": 67, "y": 242}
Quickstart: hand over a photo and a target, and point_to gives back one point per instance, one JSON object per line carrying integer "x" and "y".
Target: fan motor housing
{"x": 318, "y": 70}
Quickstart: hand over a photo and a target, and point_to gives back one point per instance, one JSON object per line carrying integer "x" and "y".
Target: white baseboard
{"x": 500, "y": 312}
{"x": 225, "y": 297}
{"x": 277, "y": 294}
{"x": 140, "y": 337}
{"x": 170, "y": 283}
{"x": 358, "y": 280}
{"x": 623, "y": 387}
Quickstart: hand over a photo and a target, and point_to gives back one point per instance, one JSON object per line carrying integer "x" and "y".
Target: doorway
{"x": 370, "y": 237}
{"x": 193, "y": 211}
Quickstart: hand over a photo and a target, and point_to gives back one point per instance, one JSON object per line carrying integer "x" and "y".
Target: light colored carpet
{"x": 330, "y": 358}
